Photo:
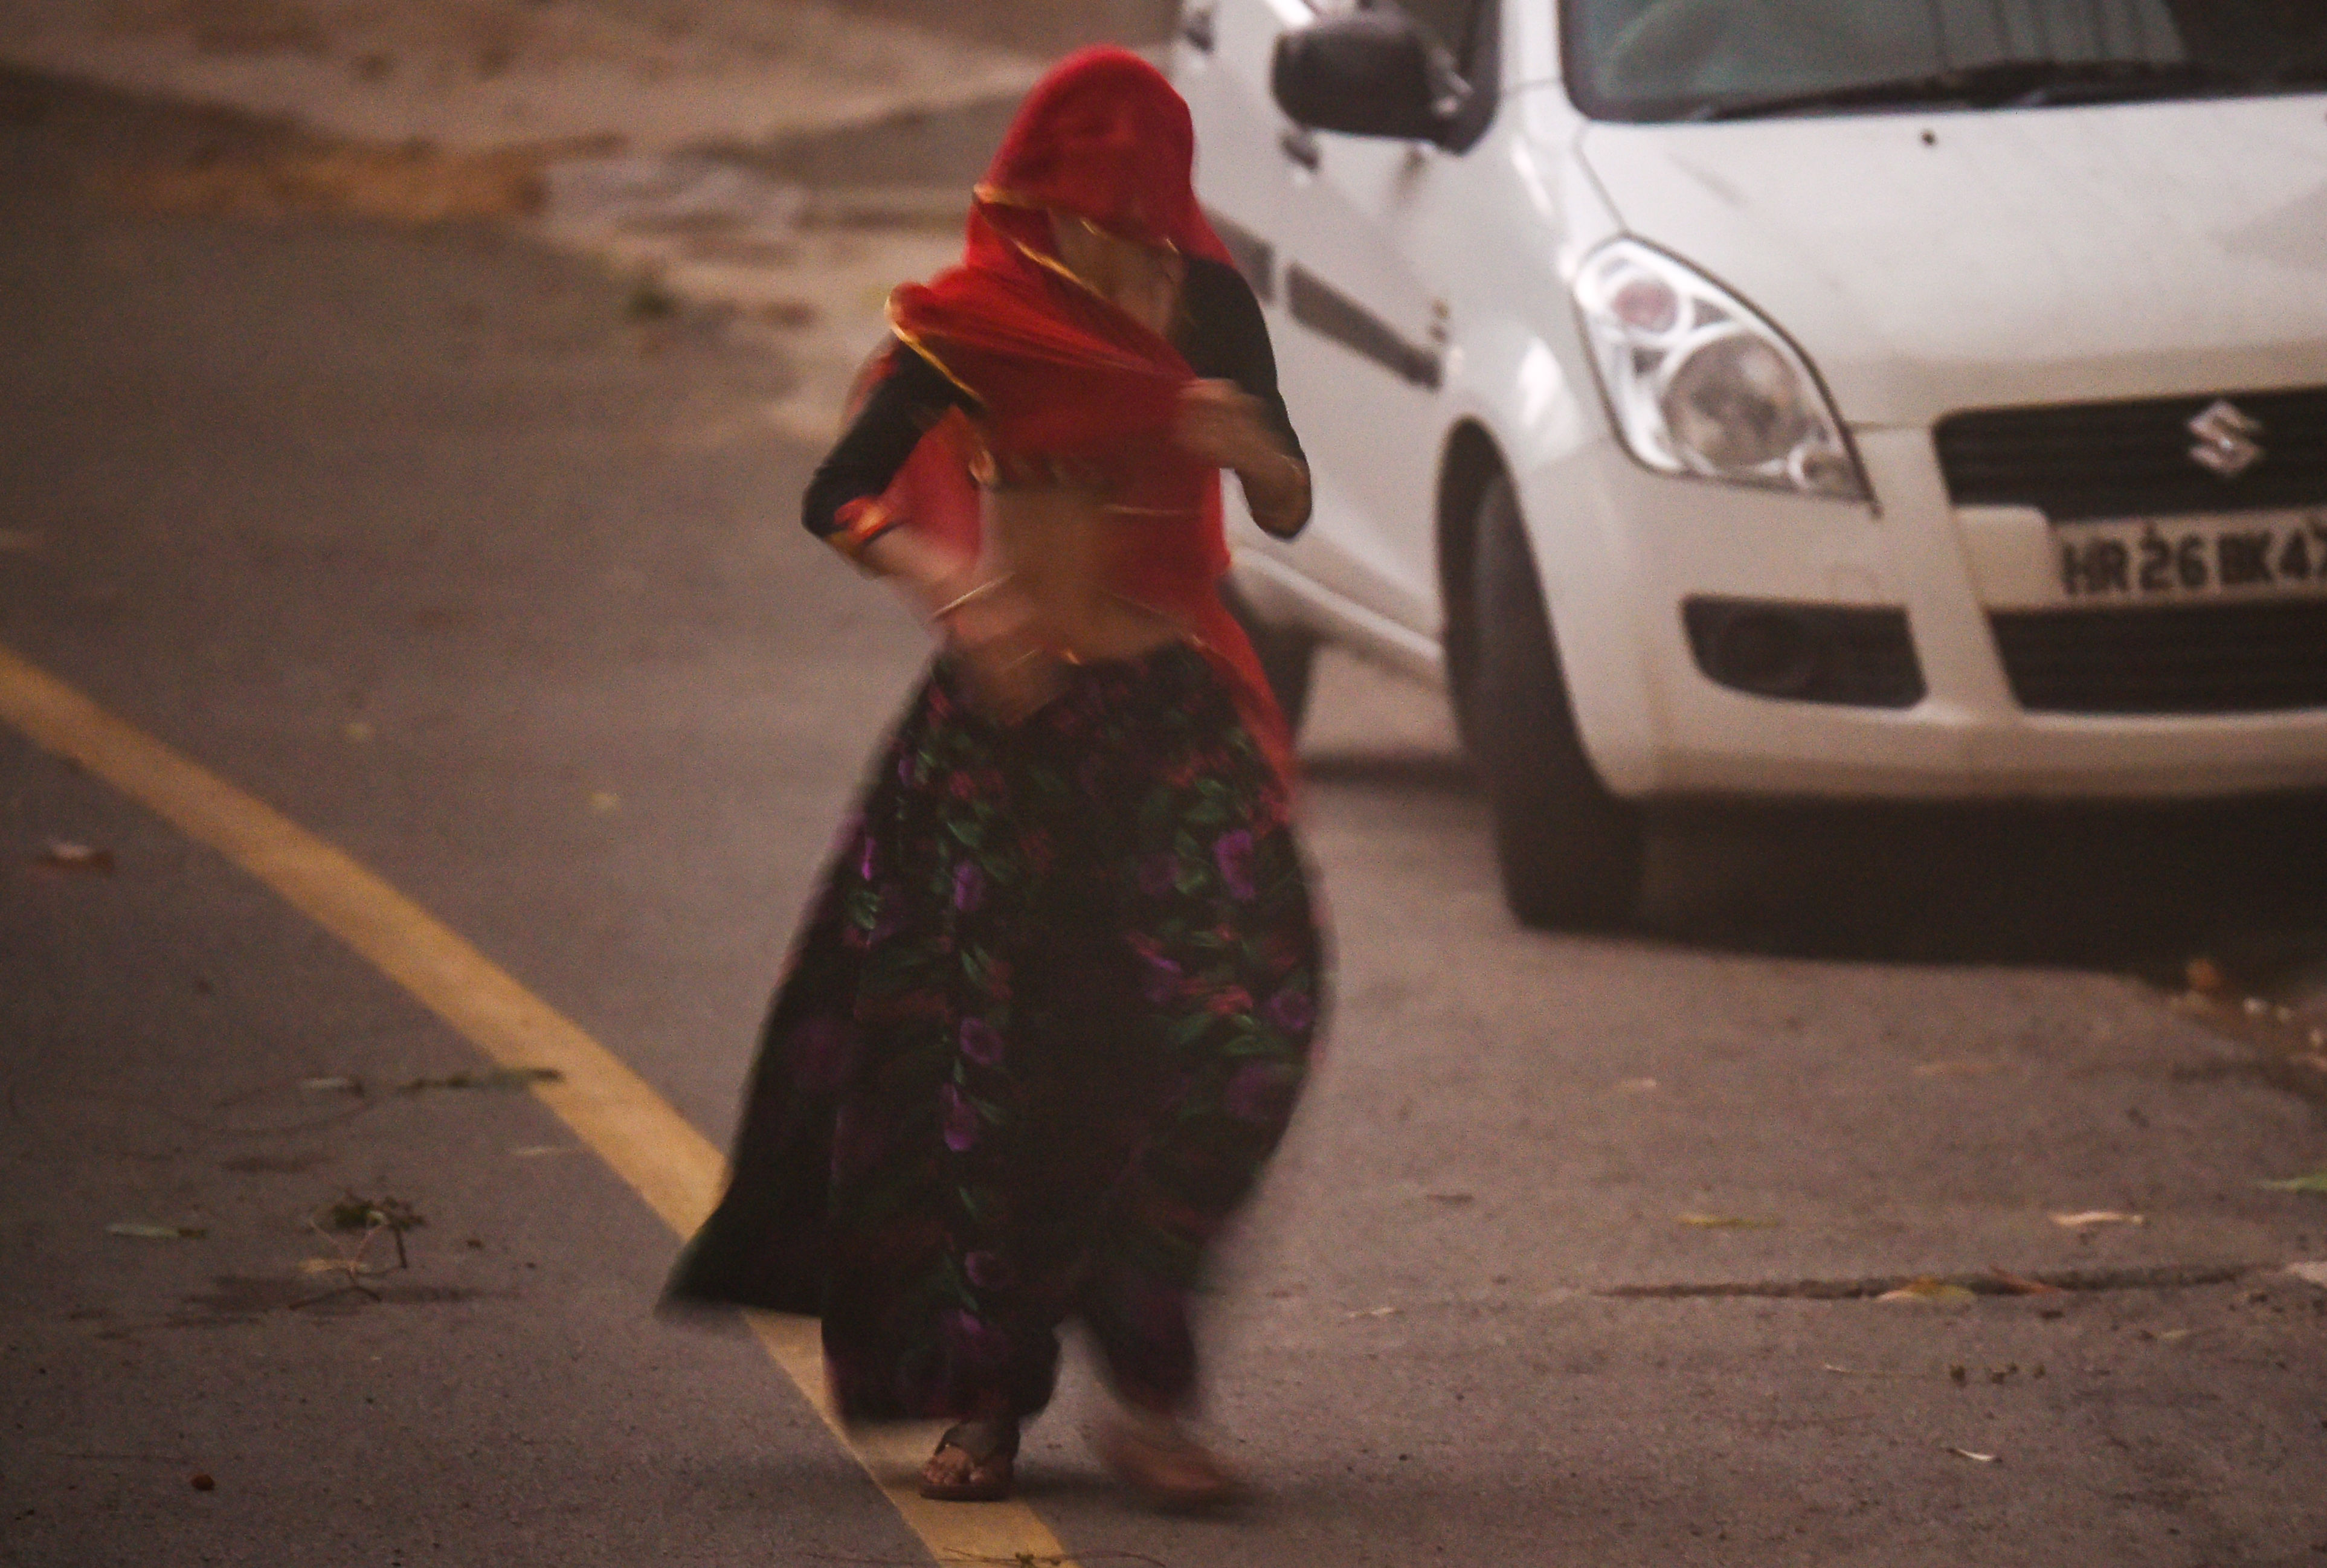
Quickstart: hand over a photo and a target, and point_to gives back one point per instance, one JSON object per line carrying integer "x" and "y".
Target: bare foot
{"x": 972, "y": 1464}
{"x": 1157, "y": 1457}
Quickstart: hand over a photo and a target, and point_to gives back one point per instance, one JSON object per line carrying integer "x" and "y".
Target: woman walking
{"x": 1052, "y": 1010}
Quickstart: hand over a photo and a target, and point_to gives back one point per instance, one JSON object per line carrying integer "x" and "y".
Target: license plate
{"x": 2200, "y": 557}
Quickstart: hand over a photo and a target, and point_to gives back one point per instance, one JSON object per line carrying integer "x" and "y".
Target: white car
{"x": 1901, "y": 399}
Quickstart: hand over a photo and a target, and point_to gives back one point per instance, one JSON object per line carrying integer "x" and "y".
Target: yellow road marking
{"x": 609, "y": 1107}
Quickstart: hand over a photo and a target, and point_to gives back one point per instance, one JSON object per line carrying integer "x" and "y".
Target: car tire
{"x": 1571, "y": 854}
{"x": 1288, "y": 657}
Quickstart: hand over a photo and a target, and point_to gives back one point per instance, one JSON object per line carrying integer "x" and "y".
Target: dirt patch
{"x": 295, "y": 1164}
{"x": 410, "y": 184}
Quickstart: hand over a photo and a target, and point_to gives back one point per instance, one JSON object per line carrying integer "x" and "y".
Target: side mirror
{"x": 1365, "y": 74}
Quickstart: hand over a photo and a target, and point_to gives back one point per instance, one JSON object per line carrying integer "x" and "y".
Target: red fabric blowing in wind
{"x": 1063, "y": 375}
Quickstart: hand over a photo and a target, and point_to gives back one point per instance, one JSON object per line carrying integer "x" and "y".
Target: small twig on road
{"x": 370, "y": 1216}
{"x": 1015, "y": 1560}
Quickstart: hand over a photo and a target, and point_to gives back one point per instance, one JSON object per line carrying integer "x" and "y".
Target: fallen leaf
{"x": 791, "y": 315}
{"x": 1451, "y": 1199}
{"x": 2205, "y": 975}
{"x": 1856, "y": 1372}
{"x": 2310, "y": 1272}
{"x": 202, "y": 1482}
{"x": 495, "y": 1078}
{"x": 543, "y": 1150}
{"x": 75, "y": 858}
{"x": 649, "y": 301}
{"x": 2085, "y": 1216}
{"x": 1926, "y": 1289}
{"x": 342, "y": 1265}
{"x": 1975, "y": 1458}
{"x": 606, "y": 801}
{"x": 1723, "y": 1222}
{"x": 354, "y": 1213}
{"x": 2021, "y": 1285}
{"x": 336, "y": 1083}
{"x": 1376, "y": 1313}
{"x": 142, "y": 1231}
{"x": 411, "y": 183}
{"x": 2314, "y": 1182}
{"x": 1639, "y": 1086}
{"x": 2167, "y": 1336}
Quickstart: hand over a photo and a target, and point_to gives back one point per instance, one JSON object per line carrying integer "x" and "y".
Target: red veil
{"x": 1063, "y": 375}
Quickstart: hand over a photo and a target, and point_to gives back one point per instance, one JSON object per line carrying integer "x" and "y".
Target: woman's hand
{"x": 1221, "y": 423}
{"x": 1012, "y": 668}
{"x": 986, "y": 623}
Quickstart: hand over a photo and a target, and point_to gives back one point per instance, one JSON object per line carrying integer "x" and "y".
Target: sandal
{"x": 989, "y": 1446}
{"x": 1156, "y": 1457}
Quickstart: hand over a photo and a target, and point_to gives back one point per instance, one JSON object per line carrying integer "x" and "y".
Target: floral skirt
{"x": 1047, "y": 1021}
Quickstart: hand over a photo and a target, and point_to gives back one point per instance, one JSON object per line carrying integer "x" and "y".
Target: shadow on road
{"x": 1432, "y": 774}
{"x": 2126, "y": 888}
{"x": 2142, "y": 889}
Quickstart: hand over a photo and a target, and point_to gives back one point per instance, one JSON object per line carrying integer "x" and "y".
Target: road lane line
{"x": 647, "y": 1143}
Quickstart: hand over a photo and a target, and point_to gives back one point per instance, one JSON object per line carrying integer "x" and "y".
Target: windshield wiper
{"x": 2018, "y": 83}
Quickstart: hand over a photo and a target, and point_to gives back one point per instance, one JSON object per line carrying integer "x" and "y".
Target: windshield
{"x": 1668, "y": 59}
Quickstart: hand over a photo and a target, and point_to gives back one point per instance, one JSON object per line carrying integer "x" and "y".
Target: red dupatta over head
{"x": 1064, "y": 377}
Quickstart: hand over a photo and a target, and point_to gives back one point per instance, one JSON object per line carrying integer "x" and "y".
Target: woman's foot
{"x": 1159, "y": 1459}
{"x": 973, "y": 1462}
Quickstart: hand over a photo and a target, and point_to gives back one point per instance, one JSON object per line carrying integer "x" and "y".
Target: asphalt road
{"x": 423, "y": 539}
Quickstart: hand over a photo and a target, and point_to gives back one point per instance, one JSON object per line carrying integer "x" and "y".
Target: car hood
{"x": 1933, "y": 262}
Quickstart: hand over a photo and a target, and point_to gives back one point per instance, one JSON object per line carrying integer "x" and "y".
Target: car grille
{"x": 2079, "y": 461}
{"x": 2215, "y": 658}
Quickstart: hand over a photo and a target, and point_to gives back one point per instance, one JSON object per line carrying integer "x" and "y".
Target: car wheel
{"x": 1571, "y": 854}
{"x": 1287, "y": 658}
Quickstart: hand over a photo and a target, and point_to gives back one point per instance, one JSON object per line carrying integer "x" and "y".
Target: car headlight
{"x": 1701, "y": 384}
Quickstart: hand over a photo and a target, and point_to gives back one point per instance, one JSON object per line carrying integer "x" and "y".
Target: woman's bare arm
{"x": 1221, "y": 423}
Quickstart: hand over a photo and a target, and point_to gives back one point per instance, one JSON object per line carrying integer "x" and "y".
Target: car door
{"x": 1365, "y": 256}
{"x": 1220, "y": 66}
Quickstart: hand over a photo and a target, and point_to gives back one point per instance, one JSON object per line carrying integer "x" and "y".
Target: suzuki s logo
{"x": 2226, "y": 440}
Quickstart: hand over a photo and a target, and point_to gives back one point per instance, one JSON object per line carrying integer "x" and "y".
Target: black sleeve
{"x": 1227, "y": 338}
{"x": 913, "y": 395}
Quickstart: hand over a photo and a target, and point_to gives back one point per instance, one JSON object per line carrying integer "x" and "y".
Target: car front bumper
{"x": 1622, "y": 550}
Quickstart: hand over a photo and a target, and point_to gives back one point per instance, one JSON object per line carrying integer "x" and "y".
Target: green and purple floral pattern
{"x": 1047, "y": 1022}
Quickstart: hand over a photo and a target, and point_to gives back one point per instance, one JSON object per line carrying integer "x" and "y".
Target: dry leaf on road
{"x": 75, "y": 859}
{"x": 1929, "y": 1291}
{"x": 140, "y": 1231}
{"x": 2088, "y": 1217}
{"x": 2316, "y": 1182}
{"x": 497, "y": 1078}
{"x": 1724, "y": 1222}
